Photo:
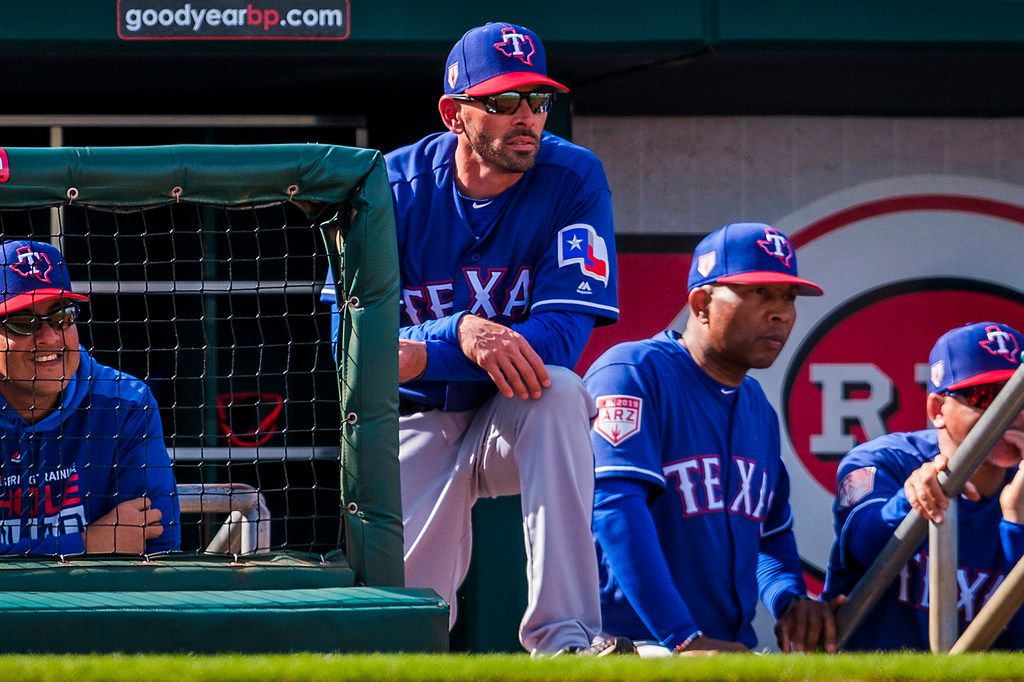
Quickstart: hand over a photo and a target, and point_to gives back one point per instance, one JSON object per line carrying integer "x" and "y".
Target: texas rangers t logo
{"x": 1000, "y": 343}
{"x": 33, "y": 264}
{"x": 775, "y": 244}
{"x": 580, "y": 244}
{"x": 516, "y": 44}
{"x": 618, "y": 417}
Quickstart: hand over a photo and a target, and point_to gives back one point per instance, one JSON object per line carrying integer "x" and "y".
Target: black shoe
{"x": 612, "y": 646}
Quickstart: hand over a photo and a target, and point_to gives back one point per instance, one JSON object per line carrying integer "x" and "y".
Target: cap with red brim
{"x": 497, "y": 57}
{"x": 32, "y": 272}
{"x": 974, "y": 354}
{"x": 804, "y": 287}
{"x": 747, "y": 253}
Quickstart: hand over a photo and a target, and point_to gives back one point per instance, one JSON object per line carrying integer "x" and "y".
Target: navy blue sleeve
{"x": 869, "y": 526}
{"x": 1012, "y": 538}
{"x": 68, "y": 544}
{"x": 779, "y": 571}
{"x": 144, "y": 470}
{"x": 870, "y": 503}
{"x": 625, "y": 530}
{"x": 558, "y": 337}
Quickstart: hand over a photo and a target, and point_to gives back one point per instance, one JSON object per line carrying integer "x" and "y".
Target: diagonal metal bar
{"x": 911, "y": 533}
{"x": 995, "y": 614}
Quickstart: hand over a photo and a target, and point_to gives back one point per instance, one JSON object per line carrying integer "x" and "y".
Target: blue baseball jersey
{"x": 870, "y": 504}
{"x": 102, "y": 446}
{"x": 710, "y": 454}
{"x": 545, "y": 244}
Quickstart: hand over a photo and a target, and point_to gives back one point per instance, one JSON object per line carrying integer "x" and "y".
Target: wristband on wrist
{"x": 681, "y": 647}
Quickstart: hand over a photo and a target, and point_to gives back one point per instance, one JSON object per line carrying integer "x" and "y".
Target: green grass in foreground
{"x": 308, "y": 667}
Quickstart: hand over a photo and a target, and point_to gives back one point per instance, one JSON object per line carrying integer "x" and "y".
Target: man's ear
{"x": 699, "y": 301}
{"x": 450, "y": 115}
{"x": 933, "y": 406}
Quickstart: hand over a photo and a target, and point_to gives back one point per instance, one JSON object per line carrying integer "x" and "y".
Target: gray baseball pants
{"x": 538, "y": 448}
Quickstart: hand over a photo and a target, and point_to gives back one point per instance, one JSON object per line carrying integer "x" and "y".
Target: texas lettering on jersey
{"x": 33, "y": 505}
{"x": 493, "y": 295}
{"x": 698, "y": 482}
{"x": 975, "y": 586}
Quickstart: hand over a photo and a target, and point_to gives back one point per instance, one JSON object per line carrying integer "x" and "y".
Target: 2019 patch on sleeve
{"x": 618, "y": 417}
{"x": 856, "y": 485}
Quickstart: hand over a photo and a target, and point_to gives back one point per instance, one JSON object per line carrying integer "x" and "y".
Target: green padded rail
{"x": 277, "y": 571}
{"x": 356, "y": 619}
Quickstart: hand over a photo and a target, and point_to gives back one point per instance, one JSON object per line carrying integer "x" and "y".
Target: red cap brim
{"x": 511, "y": 81}
{"x": 30, "y": 298}
{"x": 804, "y": 287}
{"x": 993, "y": 377}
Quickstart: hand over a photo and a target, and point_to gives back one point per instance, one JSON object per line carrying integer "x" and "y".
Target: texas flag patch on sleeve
{"x": 856, "y": 485}
{"x": 618, "y": 417}
{"x": 582, "y": 245}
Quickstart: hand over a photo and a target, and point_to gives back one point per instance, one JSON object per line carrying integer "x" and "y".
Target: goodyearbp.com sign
{"x": 233, "y": 20}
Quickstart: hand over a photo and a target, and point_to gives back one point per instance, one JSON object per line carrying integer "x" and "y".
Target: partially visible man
{"x": 691, "y": 514}
{"x": 880, "y": 481}
{"x": 507, "y": 260}
{"x": 83, "y": 465}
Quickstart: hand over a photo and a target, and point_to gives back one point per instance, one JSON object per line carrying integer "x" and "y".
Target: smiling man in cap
{"x": 691, "y": 514}
{"x": 83, "y": 465}
{"x": 507, "y": 262}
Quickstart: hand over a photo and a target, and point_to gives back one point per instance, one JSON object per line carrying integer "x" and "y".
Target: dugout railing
{"x": 908, "y": 536}
{"x": 204, "y": 264}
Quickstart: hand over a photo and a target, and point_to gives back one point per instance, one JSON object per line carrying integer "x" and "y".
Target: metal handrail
{"x": 247, "y": 528}
{"x": 912, "y": 531}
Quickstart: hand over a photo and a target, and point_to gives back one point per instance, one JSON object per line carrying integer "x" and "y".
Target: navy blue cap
{"x": 747, "y": 253}
{"x": 977, "y": 353}
{"x": 33, "y": 272}
{"x": 497, "y": 57}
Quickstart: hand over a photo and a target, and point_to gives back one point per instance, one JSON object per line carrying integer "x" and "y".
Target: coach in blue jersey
{"x": 691, "y": 515}
{"x": 881, "y": 480}
{"x": 507, "y": 261}
{"x": 83, "y": 466}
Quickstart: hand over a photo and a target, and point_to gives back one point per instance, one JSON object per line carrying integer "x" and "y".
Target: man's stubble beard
{"x": 493, "y": 151}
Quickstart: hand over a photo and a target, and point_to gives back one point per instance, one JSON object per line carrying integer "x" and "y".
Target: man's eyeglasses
{"x": 980, "y": 396}
{"x": 507, "y": 103}
{"x": 27, "y": 324}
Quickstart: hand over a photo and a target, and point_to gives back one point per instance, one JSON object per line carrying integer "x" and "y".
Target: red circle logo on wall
{"x": 864, "y": 371}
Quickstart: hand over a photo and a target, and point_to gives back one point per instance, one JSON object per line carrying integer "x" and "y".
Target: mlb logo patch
{"x": 938, "y": 371}
{"x": 706, "y": 263}
{"x": 856, "y": 486}
{"x": 618, "y": 417}
{"x": 453, "y": 74}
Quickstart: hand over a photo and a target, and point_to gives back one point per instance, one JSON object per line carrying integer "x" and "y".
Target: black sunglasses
{"x": 27, "y": 324}
{"x": 980, "y": 396}
{"x": 507, "y": 103}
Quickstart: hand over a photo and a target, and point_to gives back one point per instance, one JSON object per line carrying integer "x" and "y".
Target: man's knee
{"x": 566, "y": 403}
{"x": 566, "y": 389}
